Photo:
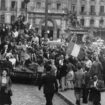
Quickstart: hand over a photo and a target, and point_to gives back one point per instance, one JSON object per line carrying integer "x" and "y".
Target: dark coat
{"x": 9, "y": 83}
{"x": 96, "y": 69}
{"x": 63, "y": 70}
{"x": 49, "y": 84}
{"x": 5, "y": 92}
{"x": 78, "y": 79}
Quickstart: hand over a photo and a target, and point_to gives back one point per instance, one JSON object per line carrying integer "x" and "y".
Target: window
{"x": 3, "y": 4}
{"x": 102, "y": 0}
{"x": 73, "y": 8}
{"x": 38, "y": 5}
{"x": 2, "y": 18}
{"x": 22, "y": 5}
{"x": 82, "y": 22}
{"x": 101, "y": 21}
{"x": 13, "y": 5}
{"x": 58, "y": 6}
{"x": 12, "y": 19}
{"x": 101, "y": 9}
{"x": 49, "y": 5}
{"x": 92, "y": 22}
{"x": 92, "y": 9}
{"x": 82, "y": 9}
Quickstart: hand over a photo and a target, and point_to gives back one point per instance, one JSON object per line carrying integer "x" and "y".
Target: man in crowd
{"x": 50, "y": 85}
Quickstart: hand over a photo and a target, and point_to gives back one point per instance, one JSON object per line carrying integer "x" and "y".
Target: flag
{"x": 76, "y": 50}
{"x": 70, "y": 48}
{"x": 73, "y": 49}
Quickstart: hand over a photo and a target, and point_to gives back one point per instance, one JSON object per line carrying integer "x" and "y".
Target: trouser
{"x": 97, "y": 98}
{"x": 63, "y": 83}
{"x": 77, "y": 95}
{"x": 49, "y": 97}
{"x": 85, "y": 93}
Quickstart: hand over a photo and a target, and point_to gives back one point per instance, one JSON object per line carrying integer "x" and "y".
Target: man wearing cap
{"x": 49, "y": 84}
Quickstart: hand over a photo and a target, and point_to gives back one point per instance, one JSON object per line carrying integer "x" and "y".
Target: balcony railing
{"x": 92, "y": 13}
{"x": 3, "y": 8}
{"x": 13, "y": 9}
{"x": 42, "y": 10}
{"x": 82, "y": 13}
{"x": 22, "y": 9}
{"x": 102, "y": 13}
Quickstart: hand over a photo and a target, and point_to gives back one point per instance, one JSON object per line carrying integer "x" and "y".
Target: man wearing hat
{"x": 49, "y": 84}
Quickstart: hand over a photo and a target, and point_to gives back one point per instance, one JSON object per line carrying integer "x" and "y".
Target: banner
{"x": 76, "y": 50}
{"x": 70, "y": 48}
{"x": 73, "y": 49}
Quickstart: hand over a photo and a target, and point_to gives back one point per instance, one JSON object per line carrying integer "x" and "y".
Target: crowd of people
{"x": 86, "y": 74}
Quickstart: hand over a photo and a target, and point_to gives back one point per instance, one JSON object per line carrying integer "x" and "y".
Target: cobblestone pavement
{"x": 30, "y": 95}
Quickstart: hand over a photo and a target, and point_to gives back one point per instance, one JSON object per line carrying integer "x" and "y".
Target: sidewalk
{"x": 69, "y": 97}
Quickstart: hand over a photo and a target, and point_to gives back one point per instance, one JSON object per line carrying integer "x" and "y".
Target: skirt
{"x": 5, "y": 98}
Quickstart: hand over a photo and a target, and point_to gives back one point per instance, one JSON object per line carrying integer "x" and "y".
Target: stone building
{"x": 91, "y": 13}
{"x": 10, "y": 9}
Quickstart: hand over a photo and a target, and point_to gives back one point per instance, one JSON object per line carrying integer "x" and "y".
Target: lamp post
{"x": 46, "y": 18}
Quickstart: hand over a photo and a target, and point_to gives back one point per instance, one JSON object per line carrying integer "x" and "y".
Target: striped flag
{"x": 73, "y": 49}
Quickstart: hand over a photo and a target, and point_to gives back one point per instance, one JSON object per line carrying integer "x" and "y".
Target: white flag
{"x": 76, "y": 50}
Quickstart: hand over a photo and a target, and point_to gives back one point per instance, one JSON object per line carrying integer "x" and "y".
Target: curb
{"x": 65, "y": 99}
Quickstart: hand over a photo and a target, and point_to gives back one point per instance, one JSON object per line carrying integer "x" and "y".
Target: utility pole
{"x": 46, "y": 19}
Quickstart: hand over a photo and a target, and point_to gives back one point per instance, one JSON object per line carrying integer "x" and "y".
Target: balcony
{"x": 102, "y": 14}
{"x": 57, "y": 11}
{"x": 92, "y": 1}
{"x": 83, "y": 1}
{"x": 42, "y": 10}
{"x": 92, "y": 13}
{"x": 3, "y": 8}
{"x": 83, "y": 13}
{"x": 13, "y": 9}
{"x": 22, "y": 9}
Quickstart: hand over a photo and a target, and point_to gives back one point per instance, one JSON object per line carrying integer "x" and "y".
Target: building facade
{"x": 91, "y": 13}
{"x": 10, "y": 9}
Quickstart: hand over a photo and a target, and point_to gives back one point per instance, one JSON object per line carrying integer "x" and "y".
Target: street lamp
{"x": 46, "y": 18}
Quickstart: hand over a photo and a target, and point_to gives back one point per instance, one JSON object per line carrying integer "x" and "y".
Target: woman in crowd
{"x": 5, "y": 88}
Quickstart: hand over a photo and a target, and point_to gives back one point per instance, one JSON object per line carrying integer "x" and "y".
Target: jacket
{"x": 78, "y": 79}
{"x": 8, "y": 85}
{"x": 49, "y": 84}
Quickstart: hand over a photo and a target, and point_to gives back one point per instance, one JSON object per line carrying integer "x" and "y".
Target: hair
{"x": 79, "y": 66}
{"x": 48, "y": 68}
{"x": 6, "y": 71}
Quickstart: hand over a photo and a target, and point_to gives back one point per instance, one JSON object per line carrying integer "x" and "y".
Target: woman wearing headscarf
{"x": 5, "y": 88}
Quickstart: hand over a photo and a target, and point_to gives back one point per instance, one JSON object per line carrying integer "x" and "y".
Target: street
{"x": 30, "y": 95}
